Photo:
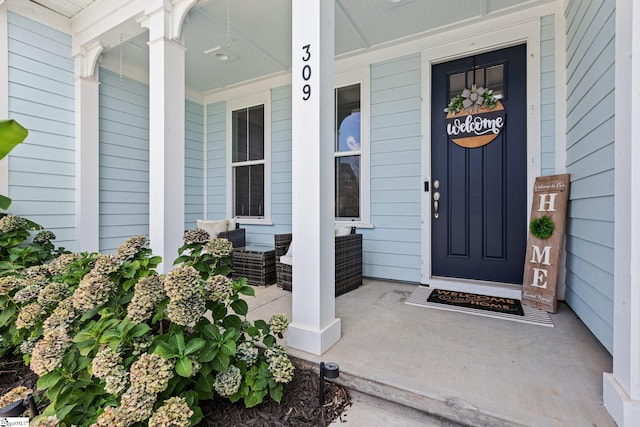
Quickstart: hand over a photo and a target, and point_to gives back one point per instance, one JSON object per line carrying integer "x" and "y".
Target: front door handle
{"x": 436, "y": 204}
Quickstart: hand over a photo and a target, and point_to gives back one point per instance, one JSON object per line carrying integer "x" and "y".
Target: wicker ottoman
{"x": 256, "y": 263}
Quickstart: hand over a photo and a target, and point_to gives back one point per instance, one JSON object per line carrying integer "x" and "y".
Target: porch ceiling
{"x": 260, "y": 33}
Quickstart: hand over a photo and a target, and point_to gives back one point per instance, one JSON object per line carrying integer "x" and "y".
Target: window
{"x": 348, "y": 152}
{"x": 248, "y": 161}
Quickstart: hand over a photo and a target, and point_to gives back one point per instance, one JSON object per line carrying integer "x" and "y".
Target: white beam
{"x": 314, "y": 328}
{"x": 622, "y": 388}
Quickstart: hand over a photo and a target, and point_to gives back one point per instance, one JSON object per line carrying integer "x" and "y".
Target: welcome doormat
{"x": 478, "y": 305}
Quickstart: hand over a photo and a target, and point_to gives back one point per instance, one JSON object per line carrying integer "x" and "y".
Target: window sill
{"x": 254, "y": 221}
{"x": 355, "y": 224}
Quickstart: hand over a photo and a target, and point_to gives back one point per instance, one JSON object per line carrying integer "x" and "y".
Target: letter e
{"x": 539, "y": 275}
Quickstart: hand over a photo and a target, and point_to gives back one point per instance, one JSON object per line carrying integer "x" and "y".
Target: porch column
{"x": 314, "y": 327}
{"x": 166, "y": 132}
{"x": 87, "y": 143}
{"x": 622, "y": 387}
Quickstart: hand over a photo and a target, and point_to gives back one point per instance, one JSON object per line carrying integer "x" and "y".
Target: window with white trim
{"x": 348, "y": 153}
{"x": 248, "y": 161}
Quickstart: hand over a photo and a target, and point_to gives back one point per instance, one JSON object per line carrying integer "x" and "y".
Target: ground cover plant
{"x": 115, "y": 343}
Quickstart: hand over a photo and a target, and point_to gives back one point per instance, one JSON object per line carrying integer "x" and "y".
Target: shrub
{"x": 115, "y": 343}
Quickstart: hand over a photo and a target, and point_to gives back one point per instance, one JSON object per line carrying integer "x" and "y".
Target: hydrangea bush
{"x": 116, "y": 344}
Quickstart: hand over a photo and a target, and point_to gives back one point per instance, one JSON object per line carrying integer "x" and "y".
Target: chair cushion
{"x": 343, "y": 230}
{"x": 213, "y": 227}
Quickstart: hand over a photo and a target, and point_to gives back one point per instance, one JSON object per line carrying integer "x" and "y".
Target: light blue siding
{"x": 547, "y": 95}
{"x": 590, "y": 160}
{"x": 124, "y": 159}
{"x": 41, "y": 98}
{"x": 216, "y": 161}
{"x": 391, "y": 250}
{"x": 193, "y": 164}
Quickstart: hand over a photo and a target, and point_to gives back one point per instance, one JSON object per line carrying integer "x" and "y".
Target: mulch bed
{"x": 299, "y": 406}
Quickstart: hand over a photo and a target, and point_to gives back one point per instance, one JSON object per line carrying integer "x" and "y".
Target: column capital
{"x": 164, "y": 18}
{"x": 85, "y": 60}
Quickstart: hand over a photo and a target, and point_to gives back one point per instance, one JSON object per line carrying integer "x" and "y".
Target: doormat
{"x": 479, "y": 305}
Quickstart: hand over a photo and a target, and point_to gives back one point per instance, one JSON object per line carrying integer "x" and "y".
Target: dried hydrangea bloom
{"x": 182, "y": 282}
{"x": 37, "y": 272}
{"x": 49, "y": 351}
{"x": 63, "y": 315}
{"x": 29, "y": 316}
{"x": 93, "y": 290}
{"x": 195, "y": 365}
{"x": 10, "y": 283}
{"x": 11, "y": 223}
{"x": 140, "y": 345}
{"x": 195, "y": 236}
{"x": 26, "y": 346}
{"x": 117, "y": 380}
{"x": 58, "y": 266}
{"x": 110, "y": 418}
{"x": 248, "y": 352}
{"x": 17, "y": 393}
{"x": 43, "y": 236}
{"x": 136, "y": 405}
{"x": 278, "y": 324}
{"x": 52, "y": 294}
{"x": 106, "y": 264}
{"x": 148, "y": 293}
{"x": 186, "y": 311}
{"x": 227, "y": 382}
{"x": 151, "y": 373}
{"x": 132, "y": 246}
{"x": 218, "y": 288}
{"x": 174, "y": 413}
{"x": 105, "y": 361}
{"x": 219, "y": 247}
{"x": 28, "y": 293}
{"x": 274, "y": 351}
{"x": 43, "y": 421}
{"x": 281, "y": 368}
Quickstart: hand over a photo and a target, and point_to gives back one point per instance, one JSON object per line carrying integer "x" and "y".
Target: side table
{"x": 255, "y": 262}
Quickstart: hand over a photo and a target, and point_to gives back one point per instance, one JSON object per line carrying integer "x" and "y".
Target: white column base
{"x": 623, "y": 410}
{"x": 313, "y": 341}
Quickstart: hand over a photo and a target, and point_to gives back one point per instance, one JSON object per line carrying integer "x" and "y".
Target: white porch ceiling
{"x": 260, "y": 42}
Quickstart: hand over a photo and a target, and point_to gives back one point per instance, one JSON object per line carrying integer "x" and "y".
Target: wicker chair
{"x": 348, "y": 262}
{"x": 236, "y": 237}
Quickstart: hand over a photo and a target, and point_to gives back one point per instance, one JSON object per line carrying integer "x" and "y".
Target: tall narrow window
{"x": 347, "y": 149}
{"x": 248, "y": 161}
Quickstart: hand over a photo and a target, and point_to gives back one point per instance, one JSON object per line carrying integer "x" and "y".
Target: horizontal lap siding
{"x": 280, "y": 170}
{"x": 124, "y": 159}
{"x": 193, "y": 164}
{"x": 391, "y": 250}
{"x": 216, "y": 161}
{"x": 547, "y": 95}
{"x": 590, "y": 160}
{"x": 41, "y": 98}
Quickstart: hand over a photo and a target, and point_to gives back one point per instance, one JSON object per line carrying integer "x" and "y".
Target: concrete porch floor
{"x": 467, "y": 369}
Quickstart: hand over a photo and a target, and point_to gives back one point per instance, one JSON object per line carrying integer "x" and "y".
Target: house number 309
{"x": 306, "y": 72}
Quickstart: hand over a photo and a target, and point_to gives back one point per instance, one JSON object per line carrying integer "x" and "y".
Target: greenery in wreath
{"x": 542, "y": 227}
{"x": 472, "y": 100}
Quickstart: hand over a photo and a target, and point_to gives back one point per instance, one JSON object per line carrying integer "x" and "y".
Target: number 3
{"x": 306, "y": 49}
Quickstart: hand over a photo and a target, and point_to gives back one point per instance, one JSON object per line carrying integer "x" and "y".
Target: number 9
{"x": 306, "y": 89}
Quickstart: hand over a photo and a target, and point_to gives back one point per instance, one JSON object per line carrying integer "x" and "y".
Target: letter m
{"x": 541, "y": 257}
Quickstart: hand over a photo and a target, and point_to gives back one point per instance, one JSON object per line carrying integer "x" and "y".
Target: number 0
{"x": 306, "y": 72}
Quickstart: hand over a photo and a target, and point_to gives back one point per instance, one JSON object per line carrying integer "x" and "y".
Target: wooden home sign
{"x": 548, "y": 212}
{"x": 475, "y": 129}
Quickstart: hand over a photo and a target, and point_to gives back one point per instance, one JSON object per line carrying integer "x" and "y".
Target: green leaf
{"x": 139, "y": 330}
{"x": 165, "y": 350}
{"x": 269, "y": 340}
{"x": 7, "y": 315}
{"x": 62, "y": 413}
{"x": 240, "y": 307}
{"x": 232, "y": 322}
{"x": 221, "y": 362}
{"x": 11, "y": 134}
{"x": 184, "y": 367}
{"x": 155, "y": 260}
{"x": 178, "y": 340}
{"x": 204, "y": 387}
{"x": 255, "y": 397}
{"x": 247, "y": 290}
{"x": 5, "y": 202}
{"x": 229, "y": 347}
{"x": 252, "y": 331}
{"x": 208, "y": 354}
{"x": 197, "y": 415}
{"x": 276, "y": 392}
{"x": 48, "y": 380}
{"x": 194, "y": 345}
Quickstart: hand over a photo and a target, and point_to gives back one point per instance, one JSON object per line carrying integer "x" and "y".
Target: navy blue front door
{"x": 480, "y": 230}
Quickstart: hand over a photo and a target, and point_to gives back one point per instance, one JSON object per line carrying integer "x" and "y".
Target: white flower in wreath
{"x": 471, "y": 100}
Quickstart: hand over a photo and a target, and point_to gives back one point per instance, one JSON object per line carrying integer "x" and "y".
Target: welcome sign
{"x": 471, "y": 129}
{"x": 540, "y": 281}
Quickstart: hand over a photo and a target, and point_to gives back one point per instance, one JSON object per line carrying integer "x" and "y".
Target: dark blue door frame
{"x": 480, "y": 232}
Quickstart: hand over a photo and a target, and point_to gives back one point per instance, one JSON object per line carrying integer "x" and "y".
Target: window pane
{"x": 248, "y": 183}
{"x": 457, "y": 84}
{"x": 239, "y": 141}
{"x": 348, "y": 118}
{"x": 495, "y": 79}
{"x": 248, "y": 134}
{"x": 256, "y": 133}
{"x": 348, "y": 187}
